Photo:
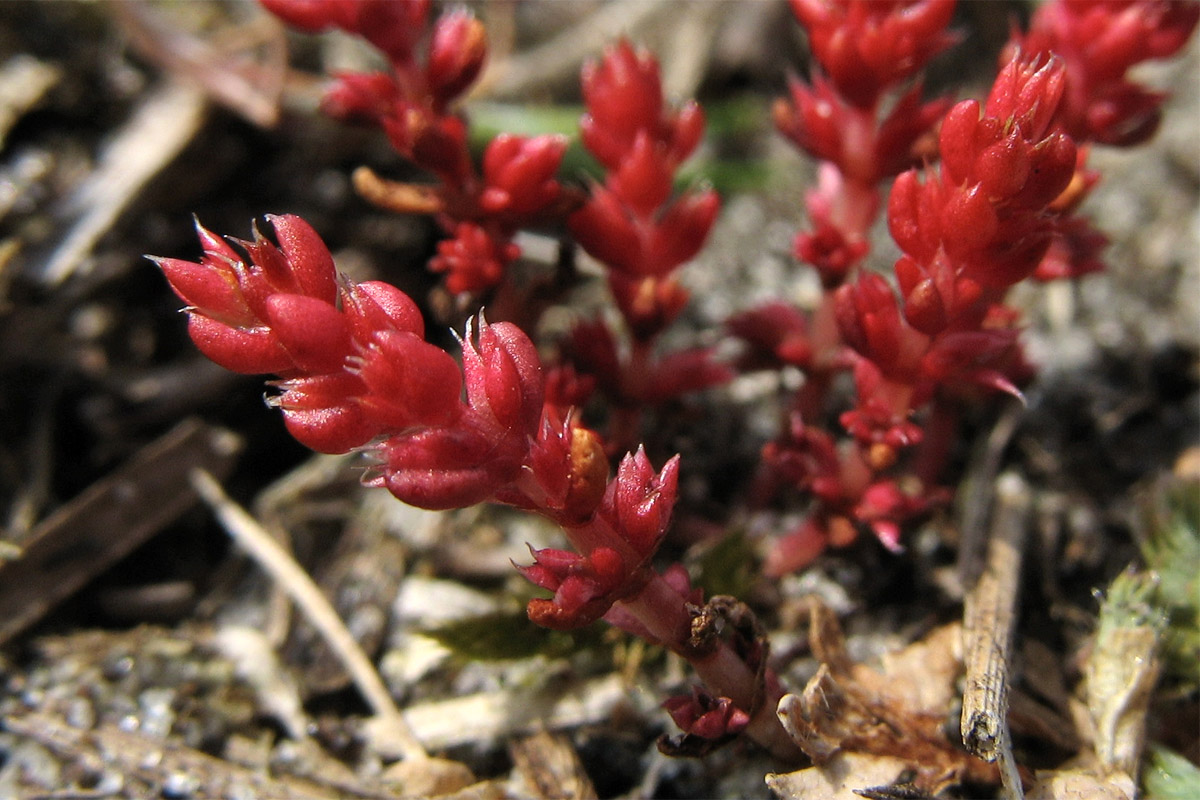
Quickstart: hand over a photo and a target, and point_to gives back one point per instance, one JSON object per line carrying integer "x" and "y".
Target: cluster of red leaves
{"x": 997, "y": 211}
{"x": 356, "y": 373}
{"x": 354, "y": 370}
{"x": 642, "y": 232}
{"x": 412, "y": 103}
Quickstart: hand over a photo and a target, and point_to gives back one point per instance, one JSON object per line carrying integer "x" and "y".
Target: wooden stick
{"x": 988, "y": 619}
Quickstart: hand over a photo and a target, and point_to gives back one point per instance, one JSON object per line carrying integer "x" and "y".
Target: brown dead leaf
{"x": 894, "y": 715}
{"x": 1081, "y": 784}
{"x": 838, "y": 778}
{"x": 550, "y": 767}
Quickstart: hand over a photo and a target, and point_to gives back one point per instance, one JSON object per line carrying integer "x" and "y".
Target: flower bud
{"x": 456, "y": 54}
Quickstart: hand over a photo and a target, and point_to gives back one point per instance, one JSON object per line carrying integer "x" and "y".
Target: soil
{"x": 142, "y": 655}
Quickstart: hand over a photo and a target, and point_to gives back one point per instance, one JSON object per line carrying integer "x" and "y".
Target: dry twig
{"x": 988, "y": 619}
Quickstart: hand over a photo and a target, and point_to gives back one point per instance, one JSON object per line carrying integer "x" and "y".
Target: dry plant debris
{"x": 157, "y": 111}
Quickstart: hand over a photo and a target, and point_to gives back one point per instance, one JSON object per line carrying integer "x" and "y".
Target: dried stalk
{"x": 988, "y": 619}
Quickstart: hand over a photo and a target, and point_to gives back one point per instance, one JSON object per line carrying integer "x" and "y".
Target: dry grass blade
{"x": 282, "y": 568}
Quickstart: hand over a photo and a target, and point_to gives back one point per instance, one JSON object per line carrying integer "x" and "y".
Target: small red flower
{"x": 473, "y": 259}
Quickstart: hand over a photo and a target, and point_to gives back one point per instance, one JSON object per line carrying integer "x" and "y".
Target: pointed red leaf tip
{"x": 778, "y": 330}
{"x": 322, "y": 413}
{"x": 456, "y": 54}
{"x": 867, "y": 46}
{"x": 444, "y": 468}
{"x": 313, "y": 332}
{"x": 308, "y": 259}
{"x": 274, "y": 314}
{"x": 643, "y": 180}
{"x": 1101, "y": 41}
{"x": 519, "y": 175}
{"x": 504, "y": 378}
{"x": 374, "y": 306}
{"x": 638, "y": 502}
{"x": 584, "y": 586}
{"x": 394, "y": 26}
{"x": 569, "y": 466}
{"x": 408, "y": 382}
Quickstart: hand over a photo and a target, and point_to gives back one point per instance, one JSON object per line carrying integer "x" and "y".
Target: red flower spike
{"x": 1100, "y": 41}
{"x": 456, "y": 55}
{"x": 570, "y": 469}
{"x": 1027, "y": 93}
{"x": 504, "y": 377}
{"x": 409, "y": 382}
{"x": 623, "y": 94}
